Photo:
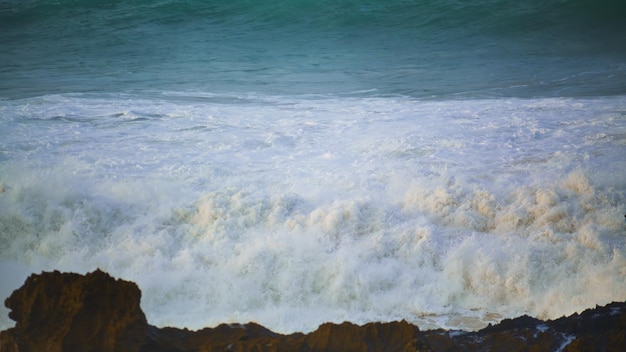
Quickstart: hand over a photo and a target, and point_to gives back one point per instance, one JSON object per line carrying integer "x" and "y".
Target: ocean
{"x": 295, "y": 162}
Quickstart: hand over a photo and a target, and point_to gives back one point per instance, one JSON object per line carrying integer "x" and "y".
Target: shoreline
{"x": 57, "y": 311}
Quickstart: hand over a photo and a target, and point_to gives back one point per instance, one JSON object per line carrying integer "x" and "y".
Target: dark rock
{"x": 71, "y": 312}
{"x": 394, "y": 336}
{"x": 94, "y": 312}
{"x": 599, "y": 329}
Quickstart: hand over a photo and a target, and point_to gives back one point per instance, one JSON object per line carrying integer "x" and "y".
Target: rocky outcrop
{"x": 95, "y": 312}
{"x": 64, "y": 312}
{"x": 599, "y": 329}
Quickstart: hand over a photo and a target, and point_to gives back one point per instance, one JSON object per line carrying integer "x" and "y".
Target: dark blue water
{"x": 399, "y": 47}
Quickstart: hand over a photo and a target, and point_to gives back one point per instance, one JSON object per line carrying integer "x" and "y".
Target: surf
{"x": 294, "y": 211}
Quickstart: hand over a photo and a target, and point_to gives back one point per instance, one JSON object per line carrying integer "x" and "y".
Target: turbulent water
{"x": 294, "y": 162}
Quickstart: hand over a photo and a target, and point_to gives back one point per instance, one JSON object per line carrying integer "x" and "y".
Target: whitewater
{"x": 297, "y": 162}
{"x": 294, "y": 211}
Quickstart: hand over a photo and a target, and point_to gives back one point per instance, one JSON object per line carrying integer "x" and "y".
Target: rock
{"x": 394, "y": 336}
{"x": 95, "y": 312}
{"x": 599, "y": 329}
{"x": 71, "y": 312}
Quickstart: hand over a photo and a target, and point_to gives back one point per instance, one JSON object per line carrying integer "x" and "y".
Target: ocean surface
{"x": 295, "y": 162}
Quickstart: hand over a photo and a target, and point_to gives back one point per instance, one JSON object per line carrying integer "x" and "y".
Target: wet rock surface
{"x": 94, "y": 312}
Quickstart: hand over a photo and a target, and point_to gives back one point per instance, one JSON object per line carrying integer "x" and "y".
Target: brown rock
{"x": 394, "y": 336}
{"x": 94, "y": 312}
{"x": 71, "y": 312}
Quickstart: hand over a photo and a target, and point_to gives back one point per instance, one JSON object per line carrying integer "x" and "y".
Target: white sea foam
{"x": 296, "y": 211}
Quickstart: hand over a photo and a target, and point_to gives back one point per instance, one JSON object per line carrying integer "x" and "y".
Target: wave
{"x": 416, "y": 48}
{"x": 293, "y": 212}
{"x": 284, "y": 261}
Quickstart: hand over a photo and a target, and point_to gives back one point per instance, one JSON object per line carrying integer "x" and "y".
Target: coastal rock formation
{"x": 95, "y": 312}
{"x": 66, "y": 312}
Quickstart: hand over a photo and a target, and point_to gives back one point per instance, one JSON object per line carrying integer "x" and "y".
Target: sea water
{"x": 297, "y": 162}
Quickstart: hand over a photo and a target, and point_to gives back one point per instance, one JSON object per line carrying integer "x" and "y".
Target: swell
{"x": 482, "y": 15}
{"x": 415, "y": 48}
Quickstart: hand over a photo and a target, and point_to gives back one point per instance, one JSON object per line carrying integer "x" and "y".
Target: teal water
{"x": 399, "y": 47}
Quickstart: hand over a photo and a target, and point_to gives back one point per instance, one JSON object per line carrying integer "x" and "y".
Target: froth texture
{"x": 293, "y": 212}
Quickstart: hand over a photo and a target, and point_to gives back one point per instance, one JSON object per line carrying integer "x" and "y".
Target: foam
{"x": 442, "y": 213}
{"x": 350, "y": 257}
